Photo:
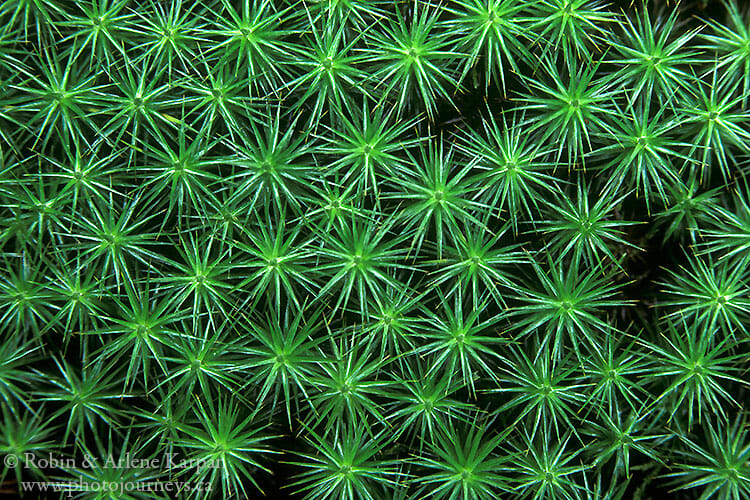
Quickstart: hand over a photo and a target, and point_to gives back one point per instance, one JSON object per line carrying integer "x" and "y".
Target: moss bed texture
{"x": 364, "y": 249}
